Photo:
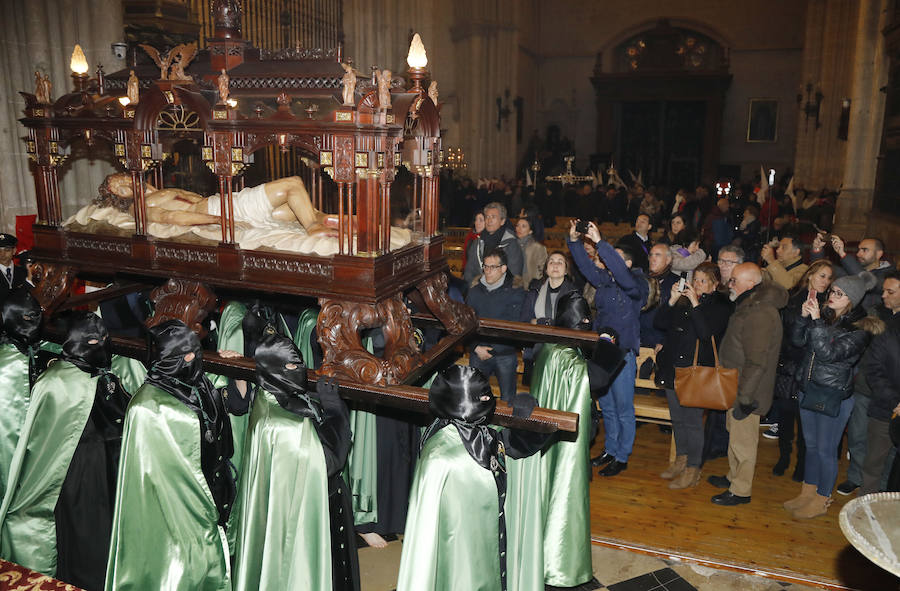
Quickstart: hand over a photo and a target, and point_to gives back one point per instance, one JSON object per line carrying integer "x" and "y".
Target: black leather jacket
{"x": 831, "y": 351}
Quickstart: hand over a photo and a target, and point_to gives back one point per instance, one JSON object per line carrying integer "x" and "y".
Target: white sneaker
{"x": 771, "y": 432}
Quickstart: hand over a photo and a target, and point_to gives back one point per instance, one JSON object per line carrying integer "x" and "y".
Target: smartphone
{"x": 681, "y": 283}
{"x": 811, "y": 296}
{"x": 581, "y": 226}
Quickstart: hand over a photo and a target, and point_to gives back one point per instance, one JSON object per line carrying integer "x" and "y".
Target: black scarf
{"x": 87, "y": 348}
{"x": 21, "y": 326}
{"x": 171, "y": 342}
{"x": 461, "y": 396}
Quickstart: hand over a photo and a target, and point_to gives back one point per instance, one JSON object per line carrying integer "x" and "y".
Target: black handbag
{"x": 822, "y": 399}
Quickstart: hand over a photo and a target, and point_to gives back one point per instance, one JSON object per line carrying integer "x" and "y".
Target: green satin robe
{"x": 306, "y": 326}
{"x": 231, "y": 338}
{"x": 362, "y": 463}
{"x": 560, "y": 382}
{"x": 524, "y": 524}
{"x": 283, "y": 538}
{"x": 131, "y": 372}
{"x": 14, "y": 397}
{"x": 61, "y": 402}
{"x": 451, "y": 540}
{"x": 165, "y": 526}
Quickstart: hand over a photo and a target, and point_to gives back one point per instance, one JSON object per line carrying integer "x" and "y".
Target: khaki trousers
{"x": 743, "y": 439}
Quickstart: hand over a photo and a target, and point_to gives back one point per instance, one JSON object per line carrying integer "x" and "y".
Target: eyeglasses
{"x": 491, "y": 267}
{"x": 837, "y": 293}
{"x": 492, "y": 216}
{"x": 727, "y": 262}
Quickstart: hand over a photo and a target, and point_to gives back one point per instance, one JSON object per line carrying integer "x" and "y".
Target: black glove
{"x": 327, "y": 388}
{"x": 743, "y": 409}
{"x": 522, "y": 405}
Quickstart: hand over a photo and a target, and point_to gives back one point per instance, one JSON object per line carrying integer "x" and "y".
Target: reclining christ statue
{"x": 284, "y": 200}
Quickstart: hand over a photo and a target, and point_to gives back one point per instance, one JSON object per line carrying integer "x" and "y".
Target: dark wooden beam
{"x": 113, "y": 291}
{"x": 410, "y": 398}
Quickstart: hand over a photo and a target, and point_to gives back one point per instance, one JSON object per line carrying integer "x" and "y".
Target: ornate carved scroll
{"x": 345, "y": 357}
{"x": 188, "y": 301}
{"x": 457, "y": 318}
{"x": 51, "y": 284}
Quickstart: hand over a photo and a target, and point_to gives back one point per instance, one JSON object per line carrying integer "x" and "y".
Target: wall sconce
{"x": 813, "y": 102}
{"x": 844, "y": 120}
{"x": 503, "y": 110}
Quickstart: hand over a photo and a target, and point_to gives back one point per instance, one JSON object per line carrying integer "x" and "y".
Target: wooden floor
{"x": 636, "y": 510}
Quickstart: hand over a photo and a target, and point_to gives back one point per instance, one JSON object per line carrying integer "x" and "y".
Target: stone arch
{"x": 606, "y": 55}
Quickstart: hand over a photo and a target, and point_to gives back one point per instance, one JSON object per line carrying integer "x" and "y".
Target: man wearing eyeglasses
{"x": 497, "y": 293}
{"x": 496, "y": 234}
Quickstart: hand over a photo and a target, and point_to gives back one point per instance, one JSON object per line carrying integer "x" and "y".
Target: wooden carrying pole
{"x": 410, "y": 398}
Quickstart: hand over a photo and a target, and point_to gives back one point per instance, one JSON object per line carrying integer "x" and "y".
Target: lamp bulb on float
{"x": 124, "y": 100}
{"x": 78, "y": 64}
{"x": 417, "y": 57}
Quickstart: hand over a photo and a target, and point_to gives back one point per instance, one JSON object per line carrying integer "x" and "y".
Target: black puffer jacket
{"x": 831, "y": 351}
{"x": 684, "y": 325}
{"x": 882, "y": 368}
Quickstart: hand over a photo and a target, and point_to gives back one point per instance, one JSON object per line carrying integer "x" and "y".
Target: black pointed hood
{"x": 573, "y": 311}
{"x": 462, "y": 396}
{"x": 87, "y": 343}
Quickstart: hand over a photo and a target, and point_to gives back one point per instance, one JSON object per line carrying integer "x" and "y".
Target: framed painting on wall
{"x": 762, "y": 120}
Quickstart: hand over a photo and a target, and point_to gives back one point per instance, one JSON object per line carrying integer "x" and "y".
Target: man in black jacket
{"x": 639, "y": 242}
{"x": 496, "y": 294}
{"x": 11, "y": 276}
{"x": 881, "y": 368}
{"x": 496, "y": 234}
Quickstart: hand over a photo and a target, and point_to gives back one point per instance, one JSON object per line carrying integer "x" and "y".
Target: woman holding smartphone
{"x": 833, "y": 338}
{"x": 697, "y": 313}
{"x": 813, "y": 284}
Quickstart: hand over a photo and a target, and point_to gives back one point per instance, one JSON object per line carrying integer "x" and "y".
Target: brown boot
{"x": 817, "y": 505}
{"x": 675, "y": 468}
{"x": 807, "y": 491}
{"x": 687, "y": 479}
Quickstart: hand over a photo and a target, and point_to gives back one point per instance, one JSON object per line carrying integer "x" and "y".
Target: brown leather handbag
{"x": 699, "y": 386}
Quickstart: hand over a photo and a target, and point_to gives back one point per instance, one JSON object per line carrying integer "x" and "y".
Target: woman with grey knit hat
{"x": 833, "y": 339}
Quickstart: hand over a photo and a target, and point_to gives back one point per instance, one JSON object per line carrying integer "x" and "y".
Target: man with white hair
{"x": 751, "y": 344}
{"x": 496, "y": 234}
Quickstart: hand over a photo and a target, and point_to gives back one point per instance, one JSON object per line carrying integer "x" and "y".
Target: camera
{"x": 119, "y": 50}
{"x": 581, "y": 226}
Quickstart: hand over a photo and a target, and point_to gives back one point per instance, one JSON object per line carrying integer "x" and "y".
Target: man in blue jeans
{"x": 621, "y": 292}
{"x": 496, "y": 293}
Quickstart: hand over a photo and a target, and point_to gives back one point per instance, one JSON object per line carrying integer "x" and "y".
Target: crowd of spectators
{"x": 753, "y": 271}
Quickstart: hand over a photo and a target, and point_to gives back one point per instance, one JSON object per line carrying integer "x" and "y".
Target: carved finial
{"x": 433, "y": 92}
{"x": 42, "y": 87}
{"x": 226, "y": 18}
{"x": 223, "y": 81}
{"x": 133, "y": 89}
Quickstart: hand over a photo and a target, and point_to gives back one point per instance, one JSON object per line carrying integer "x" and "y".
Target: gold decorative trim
{"x": 237, "y": 154}
{"x": 326, "y": 158}
{"x": 343, "y": 116}
{"x": 206, "y": 153}
{"x": 362, "y": 159}
{"x": 170, "y": 96}
{"x": 220, "y": 115}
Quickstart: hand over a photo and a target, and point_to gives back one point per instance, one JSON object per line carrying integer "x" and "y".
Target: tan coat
{"x": 777, "y": 272}
{"x": 752, "y": 344}
{"x": 535, "y": 255}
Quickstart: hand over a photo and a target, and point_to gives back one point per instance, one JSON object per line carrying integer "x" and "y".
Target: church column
{"x": 40, "y": 34}
{"x": 866, "y": 118}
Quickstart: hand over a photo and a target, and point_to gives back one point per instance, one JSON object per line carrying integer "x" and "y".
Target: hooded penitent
{"x": 21, "y": 316}
{"x": 462, "y": 396}
{"x": 177, "y": 368}
{"x": 56, "y": 516}
{"x": 297, "y": 443}
{"x": 572, "y": 311}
